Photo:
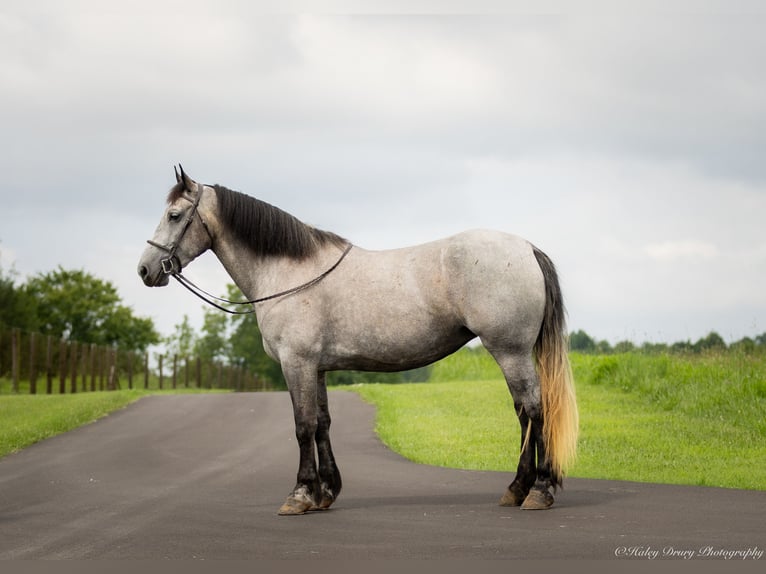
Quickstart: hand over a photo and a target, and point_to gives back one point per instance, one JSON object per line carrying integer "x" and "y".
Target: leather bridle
{"x": 171, "y": 265}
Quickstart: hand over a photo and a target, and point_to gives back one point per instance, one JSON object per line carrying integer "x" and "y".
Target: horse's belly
{"x": 396, "y": 345}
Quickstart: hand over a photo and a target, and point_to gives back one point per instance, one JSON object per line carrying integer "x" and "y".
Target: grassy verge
{"x": 682, "y": 420}
{"x": 27, "y": 419}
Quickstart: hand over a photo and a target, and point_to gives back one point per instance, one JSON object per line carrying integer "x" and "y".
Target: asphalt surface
{"x": 202, "y": 477}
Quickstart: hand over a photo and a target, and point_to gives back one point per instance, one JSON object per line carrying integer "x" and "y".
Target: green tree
{"x": 624, "y": 347}
{"x": 213, "y": 343}
{"x": 745, "y": 345}
{"x": 654, "y": 348}
{"x": 604, "y": 348}
{"x": 17, "y": 308}
{"x": 682, "y": 347}
{"x": 582, "y": 342}
{"x": 76, "y": 305}
{"x": 123, "y": 329}
{"x": 712, "y": 342}
{"x": 183, "y": 339}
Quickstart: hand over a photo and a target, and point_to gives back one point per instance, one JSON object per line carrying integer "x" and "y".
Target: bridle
{"x": 171, "y": 265}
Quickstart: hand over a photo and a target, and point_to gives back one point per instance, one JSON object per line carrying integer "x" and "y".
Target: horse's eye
{"x": 174, "y": 216}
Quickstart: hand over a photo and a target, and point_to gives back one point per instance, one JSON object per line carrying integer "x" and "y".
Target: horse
{"x": 324, "y": 304}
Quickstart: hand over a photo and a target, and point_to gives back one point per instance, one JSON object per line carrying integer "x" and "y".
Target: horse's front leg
{"x": 302, "y": 384}
{"x": 329, "y": 475}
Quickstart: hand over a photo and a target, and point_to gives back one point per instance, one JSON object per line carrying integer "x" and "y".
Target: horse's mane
{"x": 267, "y": 230}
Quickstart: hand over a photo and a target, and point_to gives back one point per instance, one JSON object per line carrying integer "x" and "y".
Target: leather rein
{"x": 171, "y": 265}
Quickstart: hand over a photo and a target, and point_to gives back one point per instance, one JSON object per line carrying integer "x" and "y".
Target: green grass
{"x": 27, "y": 419}
{"x": 684, "y": 420}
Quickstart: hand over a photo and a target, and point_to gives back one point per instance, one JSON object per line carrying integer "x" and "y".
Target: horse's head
{"x": 182, "y": 234}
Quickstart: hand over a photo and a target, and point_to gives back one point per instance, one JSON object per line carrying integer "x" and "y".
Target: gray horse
{"x": 323, "y": 306}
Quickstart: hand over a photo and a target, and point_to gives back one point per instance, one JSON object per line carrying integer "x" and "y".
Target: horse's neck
{"x": 259, "y": 276}
{"x": 241, "y": 265}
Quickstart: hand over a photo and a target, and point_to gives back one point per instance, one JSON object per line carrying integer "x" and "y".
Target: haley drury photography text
{"x": 674, "y": 552}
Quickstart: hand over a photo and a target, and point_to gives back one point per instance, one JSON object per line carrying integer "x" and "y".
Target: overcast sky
{"x": 629, "y": 145}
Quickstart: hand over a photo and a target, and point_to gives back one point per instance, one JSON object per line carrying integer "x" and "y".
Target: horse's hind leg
{"x": 329, "y": 475}
{"x": 529, "y": 488}
{"x": 518, "y": 490}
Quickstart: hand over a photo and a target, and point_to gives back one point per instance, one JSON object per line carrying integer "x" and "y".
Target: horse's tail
{"x": 560, "y": 418}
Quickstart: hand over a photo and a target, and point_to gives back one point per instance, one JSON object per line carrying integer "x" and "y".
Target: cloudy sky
{"x": 630, "y": 145}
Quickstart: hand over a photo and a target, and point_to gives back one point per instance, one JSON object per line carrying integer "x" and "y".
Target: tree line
{"x": 581, "y": 342}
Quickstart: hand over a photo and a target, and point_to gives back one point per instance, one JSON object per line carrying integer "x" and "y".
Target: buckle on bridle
{"x": 168, "y": 265}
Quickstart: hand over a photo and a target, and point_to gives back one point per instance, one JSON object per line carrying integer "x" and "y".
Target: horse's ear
{"x": 178, "y": 175}
{"x": 188, "y": 182}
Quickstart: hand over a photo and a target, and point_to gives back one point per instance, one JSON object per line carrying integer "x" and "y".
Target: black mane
{"x": 267, "y": 230}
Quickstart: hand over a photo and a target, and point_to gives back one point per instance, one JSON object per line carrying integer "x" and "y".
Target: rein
{"x": 211, "y": 299}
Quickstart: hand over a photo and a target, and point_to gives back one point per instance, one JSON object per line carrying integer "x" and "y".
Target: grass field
{"x": 673, "y": 419}
{"x": 27, "y": 419}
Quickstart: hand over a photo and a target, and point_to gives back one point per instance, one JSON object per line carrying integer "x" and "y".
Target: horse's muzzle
{"x": 158, "y": 279}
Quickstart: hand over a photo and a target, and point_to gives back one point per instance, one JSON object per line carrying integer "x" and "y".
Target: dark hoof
{"x": 324, "y": 505}
{"x": 328, "y": 496}
{"x": 537, "y": 500}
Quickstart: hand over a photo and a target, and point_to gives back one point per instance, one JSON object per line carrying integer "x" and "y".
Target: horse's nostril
{"x": 143, "y": 271}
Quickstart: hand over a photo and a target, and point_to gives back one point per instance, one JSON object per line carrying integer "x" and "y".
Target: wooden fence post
{"x": 114, "y": 373}
{"x": 146, "y": 370}
{"x": 84, "y": 368}
{"x": 131, "y": 356}
{"x": 109, "y": 369}
{"x": 49, "y": 366}
{"x": 102, "y": 367}
{"x": 15, "y": 360}
{"x": 62, "y": 366}
{"x": 73, "y": 366}
{"x": 93, "y": 357}
{"x": 161, "y": 373}
{"x": 32, "y": 364}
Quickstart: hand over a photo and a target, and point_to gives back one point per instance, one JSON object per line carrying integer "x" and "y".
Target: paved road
{"x": 202, "y": 476}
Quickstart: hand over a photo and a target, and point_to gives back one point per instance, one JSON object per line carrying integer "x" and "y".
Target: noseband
{"x": 171, "y": 264}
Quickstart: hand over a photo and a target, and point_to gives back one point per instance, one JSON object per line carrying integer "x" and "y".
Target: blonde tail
{"x": 559, "y": 404}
